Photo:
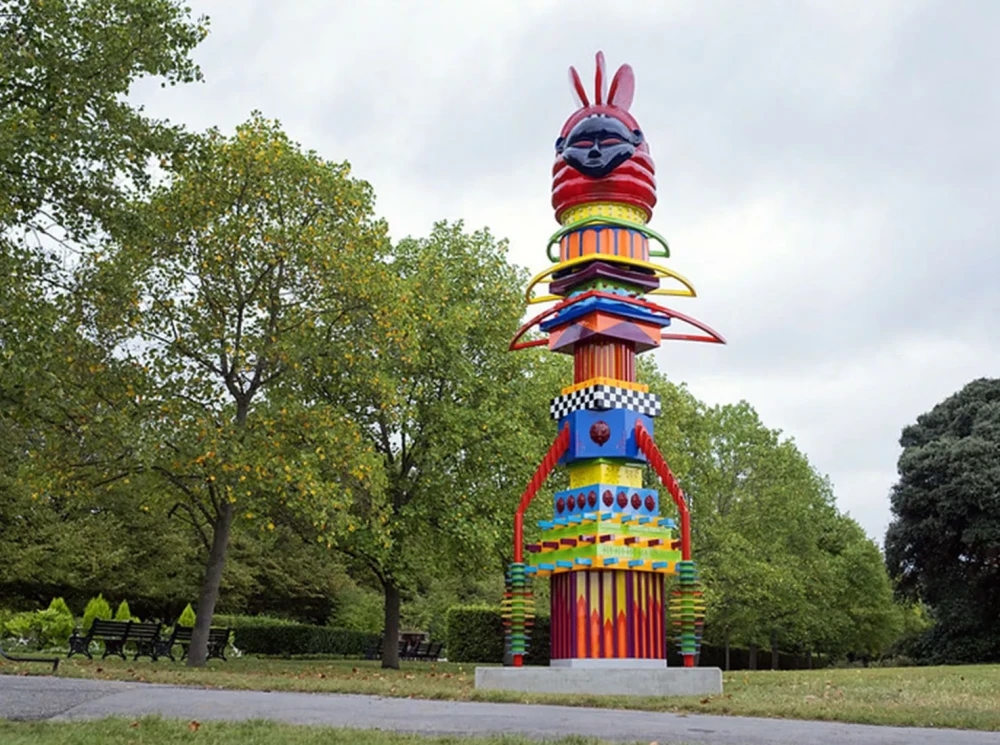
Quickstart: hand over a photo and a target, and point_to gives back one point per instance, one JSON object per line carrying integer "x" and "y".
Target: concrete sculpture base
{"x": 607, "y": 681}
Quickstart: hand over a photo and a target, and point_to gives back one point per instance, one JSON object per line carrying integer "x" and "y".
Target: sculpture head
{"x": 598, "y": 145}
{"x": 601, "y": 154}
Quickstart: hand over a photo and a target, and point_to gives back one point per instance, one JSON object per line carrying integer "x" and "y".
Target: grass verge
{"x": 156, "y": 731}
{"x": 959, "y": 697}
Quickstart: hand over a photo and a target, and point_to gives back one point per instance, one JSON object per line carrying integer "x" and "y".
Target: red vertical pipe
{"x": 655, "y": 458}
{"x": 559, "y": 446}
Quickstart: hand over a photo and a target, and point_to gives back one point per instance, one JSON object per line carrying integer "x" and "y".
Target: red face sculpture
{"x": 601, "y": 154}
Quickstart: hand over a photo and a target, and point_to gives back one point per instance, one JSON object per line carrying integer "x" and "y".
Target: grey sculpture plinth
{"x": 609, "y": 681}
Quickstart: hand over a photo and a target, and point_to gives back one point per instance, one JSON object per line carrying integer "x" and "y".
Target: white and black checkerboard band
{"x": 603, "y": 397}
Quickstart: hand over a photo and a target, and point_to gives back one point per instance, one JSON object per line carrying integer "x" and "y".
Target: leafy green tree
{"x": 212, "y": 296}
{"x": 123, "y": 613}
{"x": 779, "y": 563}
{"x": 73, "y": 152}
{"x": 434, "y": 391}
{"x": 943, "y": 545}
{"x": 70, "y": 143}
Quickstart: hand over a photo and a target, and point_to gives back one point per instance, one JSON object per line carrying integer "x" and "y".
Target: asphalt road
{"x": 64, "y": 699}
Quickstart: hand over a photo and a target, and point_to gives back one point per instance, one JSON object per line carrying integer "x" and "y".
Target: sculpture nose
{"x": 595, "y": 151}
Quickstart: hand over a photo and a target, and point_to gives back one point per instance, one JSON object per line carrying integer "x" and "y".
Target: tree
{"x": 72, "y": 154}
{"x": 437, "y": 399}
{"x": 779, "y": 562}
{"x": 210, "y": 296}
{"x": 70, "y": 143}
{"x": 943, "y": 544}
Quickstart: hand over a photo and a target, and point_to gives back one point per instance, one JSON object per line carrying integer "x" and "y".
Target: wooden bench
{"x": 145, "y": 636}
{"x": 423, "y": 651}
{"x": 181, "y": 635}
{"x": 112, "y": 633}
{"x": 218, "y": 640}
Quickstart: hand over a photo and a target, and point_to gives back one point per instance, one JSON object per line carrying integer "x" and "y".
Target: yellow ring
{"x": 659, "y": 271}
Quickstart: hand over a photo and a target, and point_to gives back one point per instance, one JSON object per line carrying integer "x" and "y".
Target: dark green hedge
{"x": 271, "y": 636}
{"x": 475, "y": 634}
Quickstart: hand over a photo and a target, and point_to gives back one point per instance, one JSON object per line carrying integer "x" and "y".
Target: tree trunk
{"x": 727, "y": 650}
{"x": 390, "y": 638}
{"x": 809, "y": 660}
{"x": 753, "y": 656}
{"x": 774, "y": 649}
{"x": 198, "y": 651}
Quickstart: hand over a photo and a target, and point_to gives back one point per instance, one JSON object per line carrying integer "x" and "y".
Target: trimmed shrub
{"x": 265, "y": 635}
{"x": 123, "y": 613}
{"x": 475, "y": 634}
{"x": 187, "y": 616}
{"x": 97, "y": 608}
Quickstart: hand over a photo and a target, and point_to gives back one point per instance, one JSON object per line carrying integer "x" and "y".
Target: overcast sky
{"x": 828, "y": 173}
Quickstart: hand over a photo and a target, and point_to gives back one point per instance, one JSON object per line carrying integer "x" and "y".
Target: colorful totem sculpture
{"x": 607, "y": 549}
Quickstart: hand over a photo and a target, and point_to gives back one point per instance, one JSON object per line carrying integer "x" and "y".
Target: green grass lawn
{"x": 965, "y": 697}
{"x": 155, "y": 731}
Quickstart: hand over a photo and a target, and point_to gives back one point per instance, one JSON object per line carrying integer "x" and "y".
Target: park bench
{"x": 114, "y": 635}
{"x": 181, "y": 635}
{"x": 409, "y": 649}
{"x": 423, "y": 651}
{"x": 218, "y": 640}
{"x": 145, "y": 636}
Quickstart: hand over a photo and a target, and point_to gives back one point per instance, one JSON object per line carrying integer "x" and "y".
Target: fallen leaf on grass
{"x": 410, "y": 676}
{"x": 99, "y": 670}
{"x": 134, "y": 725}
{"x": 194, "y": 726}
{"x": 705, "y": 700}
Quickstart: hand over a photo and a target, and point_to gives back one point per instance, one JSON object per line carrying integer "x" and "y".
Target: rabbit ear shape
{"x": 622, "y": 88}
{"x": 577, "y": 85}
{"x": 599, "y": 78}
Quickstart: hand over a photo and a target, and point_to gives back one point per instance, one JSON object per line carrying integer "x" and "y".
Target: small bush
{"x": 59, "y": 605}
{"x": 22, "y": 627}
{"x": 187, "y": 616}
{"x": 54, "y": 628}
{"x": 97, "y": 608}
{"x": 42, "y": 629}
{"x": 123, "y": 613}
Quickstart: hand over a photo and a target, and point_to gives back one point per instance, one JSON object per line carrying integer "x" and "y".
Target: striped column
{"x": 600, "y": 614}
{"x": 604, "y": 359}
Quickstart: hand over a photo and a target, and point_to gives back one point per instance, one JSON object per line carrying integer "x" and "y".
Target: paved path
{"x": 65, "y": 698}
